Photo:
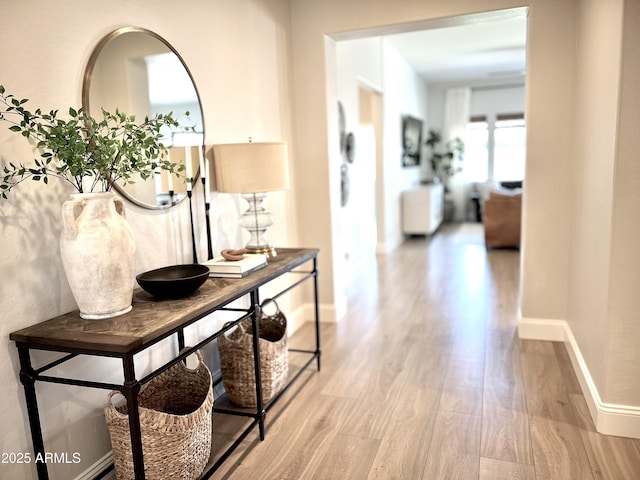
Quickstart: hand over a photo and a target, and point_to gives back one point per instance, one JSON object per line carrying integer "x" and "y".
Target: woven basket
{"x": 175, "y": 420}
{"x": 236, "y": 358}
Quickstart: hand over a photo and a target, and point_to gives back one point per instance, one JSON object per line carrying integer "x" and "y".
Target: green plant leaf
{"x": 81, "y": 146}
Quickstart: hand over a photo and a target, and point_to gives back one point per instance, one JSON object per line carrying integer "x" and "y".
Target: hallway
{"x": 425, "y": 378}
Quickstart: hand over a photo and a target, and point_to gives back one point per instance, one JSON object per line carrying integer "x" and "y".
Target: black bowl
{"x": 175, "y": 281}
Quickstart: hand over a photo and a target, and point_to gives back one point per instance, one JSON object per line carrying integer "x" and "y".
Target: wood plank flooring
{"x": 425, "y": 378}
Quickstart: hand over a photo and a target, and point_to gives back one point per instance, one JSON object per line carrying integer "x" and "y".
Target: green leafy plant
{"x": 80, "y": 147}
{"x": 445, "y": 162}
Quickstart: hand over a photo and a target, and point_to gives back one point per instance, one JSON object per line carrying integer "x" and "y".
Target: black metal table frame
{"x": 132, "y": 386}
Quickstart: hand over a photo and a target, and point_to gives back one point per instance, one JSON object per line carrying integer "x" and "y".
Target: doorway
{"x": 370, "y": 102}
{"x": 362, "y": 207}
{"x": 374, "y": 72}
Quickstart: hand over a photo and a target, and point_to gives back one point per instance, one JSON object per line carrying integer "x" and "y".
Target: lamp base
{"x": 268, "y": 251}
{"x": 256, "y": 220}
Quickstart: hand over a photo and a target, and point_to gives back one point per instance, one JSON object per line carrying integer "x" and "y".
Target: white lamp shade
{"x": 251, "y": 167}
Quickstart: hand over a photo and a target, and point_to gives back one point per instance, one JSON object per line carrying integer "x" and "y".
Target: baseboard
{"x": 98, "y": 467}
{"x": 609, "y": 419}
{"x": 306, "y": 313}
{"x": 542, "y": 329}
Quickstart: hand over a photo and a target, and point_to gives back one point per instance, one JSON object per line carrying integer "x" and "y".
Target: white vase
{"x": 98, "y": 254}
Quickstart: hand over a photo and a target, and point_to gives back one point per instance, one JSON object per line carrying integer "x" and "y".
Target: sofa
{"x": 502, "y": 217}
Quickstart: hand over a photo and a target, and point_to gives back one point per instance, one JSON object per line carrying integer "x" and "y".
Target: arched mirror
{"x": 139, "y": 73}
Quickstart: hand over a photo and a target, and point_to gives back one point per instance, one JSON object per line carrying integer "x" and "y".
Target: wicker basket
{"x": 175, "y": 420}
{"x": 236, "y": 358}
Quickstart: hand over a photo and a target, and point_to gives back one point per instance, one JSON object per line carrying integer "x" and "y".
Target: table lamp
{"x": 253, "y": 169}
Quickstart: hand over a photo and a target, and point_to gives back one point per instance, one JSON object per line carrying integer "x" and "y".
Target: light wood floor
{"x": 425, "y": 378}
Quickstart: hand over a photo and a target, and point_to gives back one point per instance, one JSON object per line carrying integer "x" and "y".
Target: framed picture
{"x": 411, "y": 141}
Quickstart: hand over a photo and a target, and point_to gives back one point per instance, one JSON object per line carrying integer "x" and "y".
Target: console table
{"x": 422, "y": 209}
{"x": 151, "y": 321}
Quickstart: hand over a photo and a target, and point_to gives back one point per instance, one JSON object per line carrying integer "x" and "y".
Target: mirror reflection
{"x": 137, "y": 72}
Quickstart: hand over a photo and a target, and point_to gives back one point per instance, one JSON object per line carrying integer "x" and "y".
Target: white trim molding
{"x": 306, "y": 313}
{"x": 608, "y": 418}
{"x": 542, "y": 329}
{"x": 97, "y": 468}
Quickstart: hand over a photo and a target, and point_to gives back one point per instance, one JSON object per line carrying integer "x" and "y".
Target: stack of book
{"x": 220, "y": 267}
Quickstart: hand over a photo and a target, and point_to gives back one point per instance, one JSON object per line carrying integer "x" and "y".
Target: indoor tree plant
{"x": 96, "y": 244}
{"x": 444, "y": 162}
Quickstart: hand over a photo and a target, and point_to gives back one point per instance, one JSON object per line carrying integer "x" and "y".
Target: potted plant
{"x": 445, "y": 162}
{"x": 97, "y": 245}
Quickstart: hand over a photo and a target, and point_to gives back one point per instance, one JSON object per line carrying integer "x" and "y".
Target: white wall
{"x": 605, "y": 272}
{"x": 550, "y": 156}
{"x": 359, "y": 62}
{"x": 238, "y": 53}
{"x": 405, "y": 93}
{"x": 491, "y": 101}
{"x": 623, "y": 386}
{"x": 598, "y": 63}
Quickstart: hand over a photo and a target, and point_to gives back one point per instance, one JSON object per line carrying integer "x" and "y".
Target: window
{"x": 495, "y": 149}
{"x": 509, "y": 148}
{"x": 476, "y": 150}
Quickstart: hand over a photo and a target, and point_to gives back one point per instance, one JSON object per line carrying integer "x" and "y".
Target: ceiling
{"x": 480, "y": 50}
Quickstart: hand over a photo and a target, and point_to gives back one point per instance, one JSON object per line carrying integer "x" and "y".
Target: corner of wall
{"x": 609, "y": 419}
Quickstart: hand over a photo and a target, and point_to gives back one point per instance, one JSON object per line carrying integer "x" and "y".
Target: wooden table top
{"x": 151, "y": 319}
